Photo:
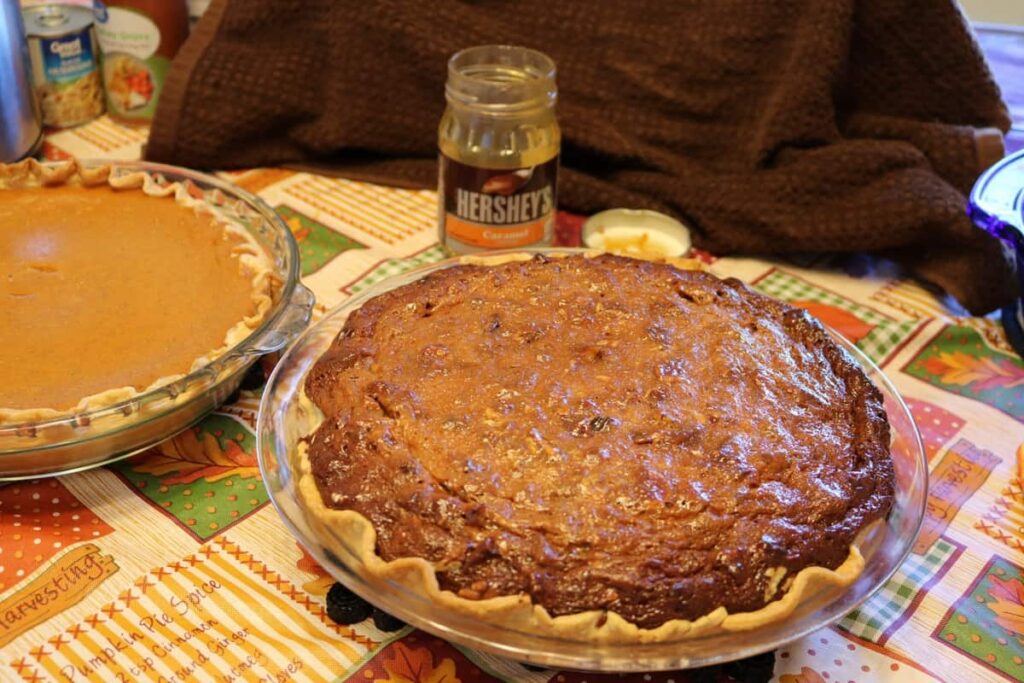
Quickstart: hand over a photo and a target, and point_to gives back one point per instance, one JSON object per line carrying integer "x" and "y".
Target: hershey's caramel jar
{"x": 499, "y": 142}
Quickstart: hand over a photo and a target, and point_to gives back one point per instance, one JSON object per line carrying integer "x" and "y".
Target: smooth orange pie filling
{"x": 103, "y": 289}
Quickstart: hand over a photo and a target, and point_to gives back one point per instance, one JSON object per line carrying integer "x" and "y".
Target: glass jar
{"x": 498, "y": 146}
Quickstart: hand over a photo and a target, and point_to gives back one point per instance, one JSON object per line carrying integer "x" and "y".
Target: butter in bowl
{"x": 636, "y": 232}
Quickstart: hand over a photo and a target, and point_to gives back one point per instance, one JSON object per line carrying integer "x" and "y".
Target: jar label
{"x": 126, "y": 31}
{"x": 134, "y": 67}
{"x": 497, "y": 208}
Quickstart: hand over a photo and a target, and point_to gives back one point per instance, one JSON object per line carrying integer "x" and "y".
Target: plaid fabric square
{"x": 397, "y": 266}
{"x": 883, "y": 610}
{"x": 886, "y": 334}
{"x": 880, "y": 342}
{"x": 789, "y": 287}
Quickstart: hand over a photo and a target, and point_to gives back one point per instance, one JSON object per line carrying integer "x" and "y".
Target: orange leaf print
{"x": 193, "y": 458}
{"x": 982, "y": 374}
{"x": 1009, "y": 603}
{"x": 806, "y": 675}
{"x": 845, "y": 322}
{"x": 323, "y": 581}
{"x": 407, "y": 665}
{"x": 298, "y": 229}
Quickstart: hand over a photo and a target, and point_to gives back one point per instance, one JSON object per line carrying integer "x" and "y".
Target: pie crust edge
{"x": 345, "y": 532}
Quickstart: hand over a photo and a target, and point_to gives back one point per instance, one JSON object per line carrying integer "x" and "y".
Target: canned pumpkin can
{"x": 65, "y": 72}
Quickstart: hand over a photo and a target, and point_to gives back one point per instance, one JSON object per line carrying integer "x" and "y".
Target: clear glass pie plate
{"x": 284, "y": 420}
{"x": 71, "y": 443}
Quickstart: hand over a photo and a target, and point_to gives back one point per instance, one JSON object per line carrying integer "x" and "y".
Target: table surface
{"x": 173, "y": 564}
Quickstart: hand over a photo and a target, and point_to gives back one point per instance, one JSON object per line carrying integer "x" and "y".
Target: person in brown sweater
{"x": 770, "y": 127}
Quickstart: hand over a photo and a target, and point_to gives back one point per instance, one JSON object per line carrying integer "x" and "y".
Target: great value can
{"x": 65, "y": 70}
{"x": 139, "y": 39}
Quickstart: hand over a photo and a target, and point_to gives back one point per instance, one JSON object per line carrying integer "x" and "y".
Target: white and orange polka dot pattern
{"x": 38, "y": 519}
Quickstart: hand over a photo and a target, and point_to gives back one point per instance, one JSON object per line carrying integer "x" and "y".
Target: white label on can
{"x": 127, "y": 32}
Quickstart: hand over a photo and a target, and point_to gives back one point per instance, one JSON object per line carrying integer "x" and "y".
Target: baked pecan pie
{"x": 596, "y": 444}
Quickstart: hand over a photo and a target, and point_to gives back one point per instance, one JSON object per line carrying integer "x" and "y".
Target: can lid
{"x": 56, "y": 20}
{"x": 636, "y": 232}
{"x": 997, "y": 200}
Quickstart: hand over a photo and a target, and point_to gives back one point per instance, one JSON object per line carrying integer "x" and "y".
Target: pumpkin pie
{"x": 113, "y": 283}
{"x": 595, "y": 447}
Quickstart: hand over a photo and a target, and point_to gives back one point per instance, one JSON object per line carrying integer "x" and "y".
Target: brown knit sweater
{"x": 791, "y": 125}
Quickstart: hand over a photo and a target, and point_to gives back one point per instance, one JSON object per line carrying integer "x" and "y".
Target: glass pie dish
{"x": 285, "y": 418}
{"x": 87, "y": 439}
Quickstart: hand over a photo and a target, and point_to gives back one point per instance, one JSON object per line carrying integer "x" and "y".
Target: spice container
{"x": 139, "y": 38}
{"x": 64, "y": 55}
{"x": 499, "y": 142}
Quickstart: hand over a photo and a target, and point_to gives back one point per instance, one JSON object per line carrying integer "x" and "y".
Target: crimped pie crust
{"x": 347, "y": 533}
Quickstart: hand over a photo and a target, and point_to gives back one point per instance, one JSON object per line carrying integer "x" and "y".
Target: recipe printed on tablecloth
{"x": 220, "y": 614}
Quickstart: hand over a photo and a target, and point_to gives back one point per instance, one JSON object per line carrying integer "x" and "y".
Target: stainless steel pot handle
{"x": 293, "y": 320}
{"x": 21, "y": 124}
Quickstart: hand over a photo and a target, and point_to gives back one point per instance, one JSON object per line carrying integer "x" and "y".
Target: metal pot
{"x": 21, "y": 126}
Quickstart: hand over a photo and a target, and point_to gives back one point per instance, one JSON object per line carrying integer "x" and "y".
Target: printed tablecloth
{"x": 172, "y": 566}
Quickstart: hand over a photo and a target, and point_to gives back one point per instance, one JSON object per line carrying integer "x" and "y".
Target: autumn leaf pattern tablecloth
{"x": 172, "y": 566}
